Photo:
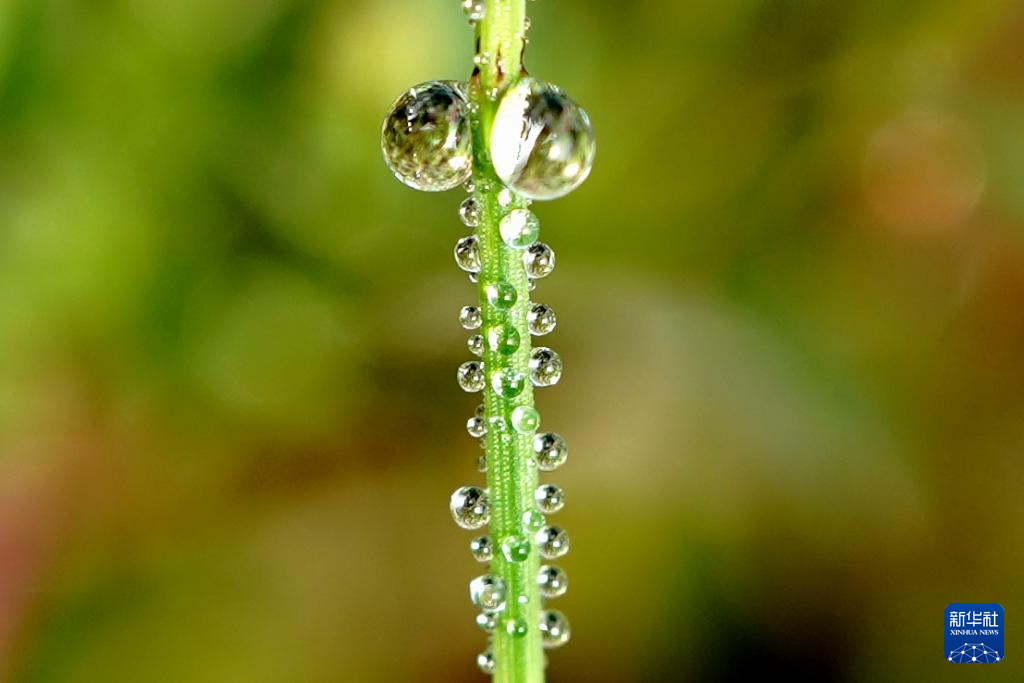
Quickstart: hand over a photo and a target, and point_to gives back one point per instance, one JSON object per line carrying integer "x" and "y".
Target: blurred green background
{"x": 791, "y": 305}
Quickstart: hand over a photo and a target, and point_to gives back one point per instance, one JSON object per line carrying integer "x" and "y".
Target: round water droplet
{"x": 481, "y": 549}
{"x": 515, "y": 548}
{"x": 426, "y": 137}
{"x": 508, "y": 382}
{"x": 476, "y": 426}
{"x": 525, "y": 419}
{"x": 552, "y": 581}
{"x": 475, "y": 344}
{"x": 503, "y": 339}
{"x": 541, "y": 320}
{"x": 517, "y": 628}
{"x": 539, "y": 260}
{"x": 470, "y": 318}
{"x": 549, "y": 498}
{"x": 474, "y": 9}
{"x": 486, "y": 622}
{"x": 552, "y": 542}
{"x": 519, "y": 228}
{"x": 542, "y": 145}
{"x": 470, "y": 507}
{"x": 545, "y": 367}
{"x": 469, "y": 186}
{"x": 487, "y": 593}
{"x": 485, "y": 662}
{"x": 533, "y": 520}
{"x": 469, "y": 212}
{"x": 467, "y": 254}
{"x": 501, "y": 295}
{"x": 554, "y": 629}
{"x": 471, "y": 376}
{"x": 551, "y": 451}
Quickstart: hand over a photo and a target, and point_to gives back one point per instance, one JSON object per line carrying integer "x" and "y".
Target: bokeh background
{"x": 791, "y": 305}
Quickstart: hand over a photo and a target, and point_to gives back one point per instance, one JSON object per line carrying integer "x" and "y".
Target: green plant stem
{"x": 511, "y": 467}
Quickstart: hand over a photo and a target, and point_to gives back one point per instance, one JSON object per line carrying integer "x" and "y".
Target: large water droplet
{"x": 470, "y": 507}
{"x": 426, "y": 137}
{"x": 470, "y": 318}
{"x": 467, "y": 254}
{"x": 508, "y": 382}
{"x": 542, "y": 145}
{"x": 501, "y": 295}
{"x": 552, "y": 581}
{"x": 474, "y": 9}
{"x": 475, "y": 344}
{"x": 552, "y": 542}
{"x": 485, "y": 662}
{"x": 541, "y": 320}
{"x": 515, "y": 548}
{"x": 554, "y": 629}
{"x": 545, "y": 367}
{"x": 471, "y": 376}
{"x": 486, "y": 622}
{"x": 525, "y": 419}
{"x": 551, "y": 450}
{"x": 539, "y": 260}
{"x": 469, "y": 212}
{"x": 481, "y": 549}
{"x": 519, "y": 228}
{"x": 549, "y": 498}
{"x": 503, "y": 339}
{"x": 487, "y": 593}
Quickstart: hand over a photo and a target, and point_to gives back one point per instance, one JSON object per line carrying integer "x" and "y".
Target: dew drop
{"x": 525, "y": 419}
{"x": 488, "y": 593}
{"x": 552, "y": 581}
{"x": 533, "y": 520}
{"x": 474, "y": 9}
{"x": 469, "y": 186}
{"x": 551, "y": 451}
{"x": 498, "y": 424}
{"x": 470, "y": 376}
{"x": 476, "y": 426}
{"x": 541, "y": 320}
{"x": 476, "y": 345}
{"x": 519, "y": 228}
{"x": 539, "y": 260}
{"x": 470, "y": 507}
{"x": 501, "y": 295}
{"x": 481, "y": 463}
{"x": 554, "y": 629}
{"x": 515, "y": 548}
{"x": 549, "y": 498}
{"x": 426, "y": 137}
{"x": 486, "y": 622}
{"x": 545, "y": 367}
{"x": 470, "y": 318}
{"x": 508, "y": 382}
{"x": 469, "y": 212}
{"x": 482, "y": 59}
{"x": 505, "y": 197}
{"x": 485, "y": 662}
{"x": 481, "y": 549}
{"x": 503, "y": 339}
{"x": 542, "y": 145}
{"x": 552, "y": 542}
{"x": 473, "y": 278}
{"x": 467, "y": 254}
{"x": 517, "y": 628}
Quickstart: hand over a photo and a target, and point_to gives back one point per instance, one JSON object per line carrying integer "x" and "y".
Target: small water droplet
{"x": 503, "y": 339}
{"x": 542, "y": 145}
{"x": 549, "y": 498}
{"x": 554, "y": 629}
{"x": 469, "y": 212}
{"x": 481, "y": 463}
{"x": 469, "y": 186}
{"x": 492, "y": 94}
{"x": 545, "y": 367}
{"x": 426, "y": 137}
{"x": 467, "y": 254}
{"x": 552, "y": 581}
{"x": 476, "y": 426}
{"x": 470, "y": 318}
{"x": 488, "y": 593}
{"x": 552, "y": 542}
{"x": 519, "y": 228}
{"x": 482, "y": 59}
{"x": 475, "y": 10}
{"x": 533, "y": 520}
{"x": 498, "y": 424}
{"x": 539, "y": 260}
{"x": 501, "y": 295}
{"x": 508, "y": 382}
{"x": 476, "y": 345}
{"x": 525, "y": 419}
{"x": 551, "y": 451}
{"x": 515, "y": 548}
{"x": 470, "y": 376}
{"x": 486, "y": 622}
{"x": 470, "y": 507}
{"x": 505, "y": 197}
{"x": 485, "y": 662}
{"x": 541, "y": 320}
{"x": 473, "y": 278}
{"x": 517, "y": 628}
{"x": 481, "y": 549}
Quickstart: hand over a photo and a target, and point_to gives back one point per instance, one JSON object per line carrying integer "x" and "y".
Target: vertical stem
{"x": 511, "y": 467}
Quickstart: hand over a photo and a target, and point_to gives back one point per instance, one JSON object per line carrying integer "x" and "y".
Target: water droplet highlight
{"x": 552, "y": 581}
{"x": 508, "y": 382}
{"x": 554, "y": 629}
{"x": 545, "y": 367}
{"x": 475, "y": 10}
{"x": 470, "y": 376}
{"x": 539, "y": 260}
{"x": 501, "y": 295}
{"x": 488, "y": 593}
{"x": 517, "y": 628}
{"x": 467, "y": 254}
{"x": 542, "y": 144}
{"x": 426, "y": 137}
{"x": 503, "y": 339}
{"x": 525, "y": 419}
{"x": 470, "y": 318}
{"x": 515, "y": 548}
{"x": 469, "y": 212}
{"x": 541, "y": 320}
{"x": 549, "y": 498}
{"x": 481, "y": 549}
{"x": 552, "y": 542}
{"x": 519, "y": 228}
{"x": 551, "y": 451}
{"x": 470, "y": 507}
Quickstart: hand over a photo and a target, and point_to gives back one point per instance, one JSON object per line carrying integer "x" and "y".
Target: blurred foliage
{"x": 791, "y": 301}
